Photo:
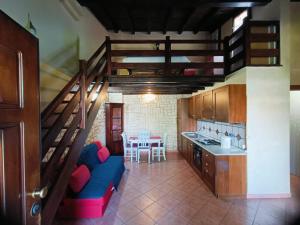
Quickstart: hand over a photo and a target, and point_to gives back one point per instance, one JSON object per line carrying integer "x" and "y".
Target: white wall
{"x": 62, "y": 39}
{"x": 268, "y": 104}
{"x": 295, "y": 132}
{"x": 268, "y": 132}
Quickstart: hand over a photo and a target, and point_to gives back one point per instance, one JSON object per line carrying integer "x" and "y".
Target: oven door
{"x": 197, "y": 157}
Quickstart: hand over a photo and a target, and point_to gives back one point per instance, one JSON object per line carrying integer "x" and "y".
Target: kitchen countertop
{"x": 214, "y": 149}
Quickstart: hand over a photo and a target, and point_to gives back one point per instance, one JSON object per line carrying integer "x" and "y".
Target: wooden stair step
{"x": 56, "y": 143}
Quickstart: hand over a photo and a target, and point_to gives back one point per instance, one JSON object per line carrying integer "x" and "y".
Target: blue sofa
{"x": 92, "y": 200}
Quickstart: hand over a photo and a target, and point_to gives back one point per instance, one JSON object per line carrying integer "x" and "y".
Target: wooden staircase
{"x": 65, "y": 125}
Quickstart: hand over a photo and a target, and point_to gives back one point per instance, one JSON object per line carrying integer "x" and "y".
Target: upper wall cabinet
{"x": 192, "y": 107}
{"x": 229, "y": 104}
{"x": 198, "y": 106}
{"x": 206, "y": 104}
{"x": 224, "y": 104}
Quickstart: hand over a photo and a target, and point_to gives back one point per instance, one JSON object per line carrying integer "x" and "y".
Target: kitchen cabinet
{"x": 229, "y": 103}
{"x": 208, "y": 169}
{"x": 224, "y": 104}
{"x": 207, "y": 105}
{"x": 184, "y": 122}
{"x": 114, "y": 127}
{"x": 198, "y": 106}
{"x": 224, "y": 175}
{"x": 187, "y": 150}
{"x": 192, "y": 107}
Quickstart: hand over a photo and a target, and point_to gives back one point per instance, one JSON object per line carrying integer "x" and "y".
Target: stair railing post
{"x": 108, "y": 55}
{"x": 226, "y": 56}
{"x": 247, "y": 44}
{"x": 83, "y": 94}
{"x": 167, "y": 55}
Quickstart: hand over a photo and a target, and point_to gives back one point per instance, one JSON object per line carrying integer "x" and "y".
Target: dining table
{"x": 152, "y": 140}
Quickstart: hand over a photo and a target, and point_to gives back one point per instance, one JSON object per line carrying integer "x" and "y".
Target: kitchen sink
{"x": 192, "y": 135}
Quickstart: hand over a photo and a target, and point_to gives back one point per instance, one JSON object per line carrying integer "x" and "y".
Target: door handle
{"x": 42, "y": 193}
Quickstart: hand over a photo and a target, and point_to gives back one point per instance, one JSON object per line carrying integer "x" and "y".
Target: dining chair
{"x": 160, "y": 149}
{"x": 143, "y": 146}
{"x": 129, "y": 151}
{"x": 144, "y": 134}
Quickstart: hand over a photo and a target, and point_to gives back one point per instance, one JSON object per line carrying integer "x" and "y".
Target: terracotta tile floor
{"x": 170, "y": 193}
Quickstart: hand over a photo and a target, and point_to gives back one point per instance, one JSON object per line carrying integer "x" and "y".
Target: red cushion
{"x": 103, "y": 154}
{"x": 79, "y": 178}
{"x": 189, "y": 72}
{"x": 99, "y": 144}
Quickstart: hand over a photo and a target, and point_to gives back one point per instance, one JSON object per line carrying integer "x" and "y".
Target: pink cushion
{"x": 103, "y": 154}
{"x": 99, "y": 144}
{"x": 79, "y": 178}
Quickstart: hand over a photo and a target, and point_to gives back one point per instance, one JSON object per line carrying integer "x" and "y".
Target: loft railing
{"x": 200, "y": 57}
{"x": 256, "y": 43}
{"x": 65, "y": 125}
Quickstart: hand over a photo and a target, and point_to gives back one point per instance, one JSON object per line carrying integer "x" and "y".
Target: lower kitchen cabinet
{"x": 187, "y": 150}
{"x": 208, "y": 169}
{"x": 224, "y": 175}
{"x": 231, "y": 176}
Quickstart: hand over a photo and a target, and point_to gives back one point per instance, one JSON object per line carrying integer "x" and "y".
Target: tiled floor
{"x": 170, "y": 193}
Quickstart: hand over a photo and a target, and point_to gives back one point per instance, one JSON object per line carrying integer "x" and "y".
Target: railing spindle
{"x": 167, "y": 55}
{"x": 83, "y": 95}
{"x": 108, "y": 55}
{"x": 226, "y": 56}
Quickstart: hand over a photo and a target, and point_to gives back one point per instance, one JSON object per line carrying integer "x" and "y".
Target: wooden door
{"x": 114, "y": 126}
{"x": 207, "y": 105}
{"x": 19, "y": 124}
{"x": 221, "y": 104}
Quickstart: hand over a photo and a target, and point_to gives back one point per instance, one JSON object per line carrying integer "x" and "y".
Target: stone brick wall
{"x": 98, "y": 129}
{"x": 157, "y": 116}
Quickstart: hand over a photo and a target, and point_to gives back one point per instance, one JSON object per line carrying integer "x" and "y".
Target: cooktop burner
{"x": 209, "y": 142}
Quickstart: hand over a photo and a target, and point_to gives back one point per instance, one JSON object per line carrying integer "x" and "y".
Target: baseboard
{"x": 254, "y": 196}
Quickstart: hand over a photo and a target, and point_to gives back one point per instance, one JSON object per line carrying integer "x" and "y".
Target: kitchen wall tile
{"x": 216, "y": 130}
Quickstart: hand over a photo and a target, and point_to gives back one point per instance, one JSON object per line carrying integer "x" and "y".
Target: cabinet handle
{"x": 206, "y": 155}
{"x": 206, "y": 170}
{"x": 206, "y": 164}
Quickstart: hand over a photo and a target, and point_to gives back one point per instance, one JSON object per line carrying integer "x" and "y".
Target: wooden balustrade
{"x": 256, "y": 43}
{"x": 65, "y": 125}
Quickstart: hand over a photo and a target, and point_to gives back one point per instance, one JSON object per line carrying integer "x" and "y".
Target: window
{"x": 239, "y": 20}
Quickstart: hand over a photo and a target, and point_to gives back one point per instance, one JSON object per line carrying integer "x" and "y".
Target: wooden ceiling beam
{"x": 131, "y": 20}
{"x": 116, "y": 89}
{"x": 144, "y": 79}
{"x": 205, "y": 18}
{"x": 167, "y": 19}
{"x": 180, "y": 3}
{"x": 187, "y": 19}
{"x": 179, "y": 85}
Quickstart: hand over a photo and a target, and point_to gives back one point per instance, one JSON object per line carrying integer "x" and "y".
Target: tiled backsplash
{"x": 216, "y": 130}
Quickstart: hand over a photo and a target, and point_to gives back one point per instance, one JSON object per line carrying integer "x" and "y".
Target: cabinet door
{"x": 208, "y": 169}
{"x": 207, "y": 105}
{"x": 190, "y": 152}
{"x": 221, "y": 104}
{"x": 192, "y": 107}
{"x": 198, "y": 106}
{"x": 184, "y": 147}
